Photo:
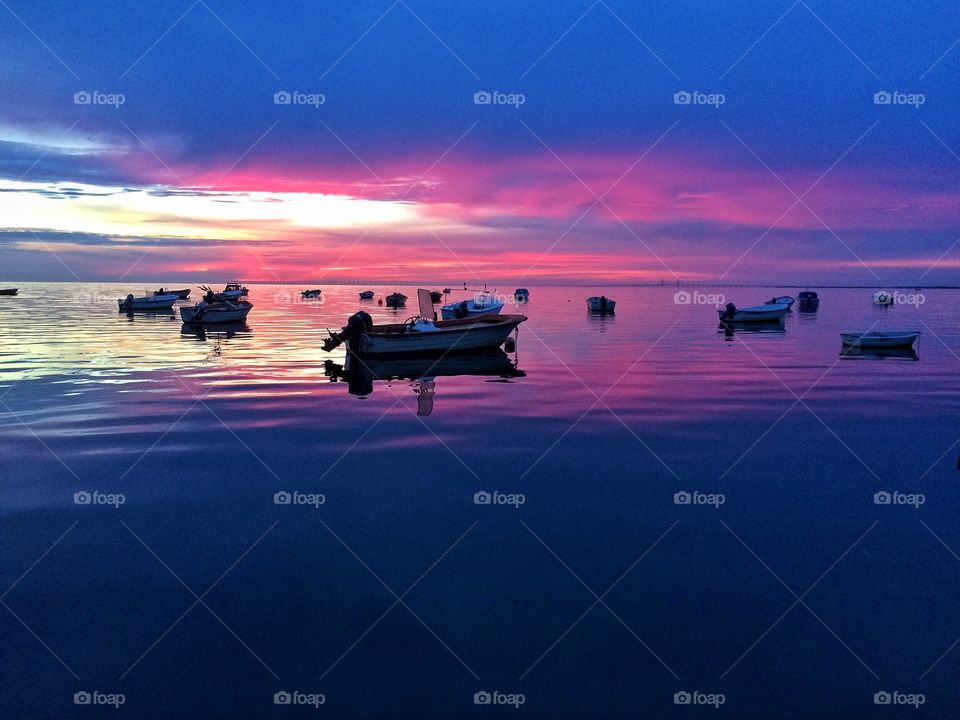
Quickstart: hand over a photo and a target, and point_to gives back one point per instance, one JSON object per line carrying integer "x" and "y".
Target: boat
{"x": 782, "y": 300}
{"x": 366, "y": 295}
{"x": 420, "y": 336}
{"x": 311, "y": 293}
{"x": 521, "y": 294}
{"x": 9, "y": 291}
{"x": 218, "y": 311}
{"x": 849, "y": 352}
{"x": 181, "y": 294}
{"x": 883, "y": 297}
{"x": 396, "y": 300}
{"x": 808, "y": 300}
{"x": 233, "y": 291}
{"x": 148, "y": 302}
{"x": 877, "y": 340}
{"x": 601, "y": 304}
{"x": 758, "y": 313}
{"x": 436, "y": 296}
{"x": 481, "y": 304}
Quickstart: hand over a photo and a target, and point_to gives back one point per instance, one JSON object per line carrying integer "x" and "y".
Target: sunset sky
{"x": 820, "y": 143}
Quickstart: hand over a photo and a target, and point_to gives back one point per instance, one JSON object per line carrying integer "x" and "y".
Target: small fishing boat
{"x": 521, "y": 294}
{"x": 311, "y": 293}
{"x": 233, "y": 291}
{"x": 601, "y": 304}
{"x": 436, "y": 296}
{"x": 9, "y": 291}
{"x": 758, "y": 313}
{"x": 396, "y": 300}
{"x": 419, "y": 336}
{"x": 218, "y": 311}
{"x": 808, "y": 300}
{"x": 366, "y": 295}
{"x": 181, "y": 294}
{"x": 883, "y": 297}
{"x": 482, "y": 304}
{"x": 148, "y": 302}
{"x": 876, "y": 340}
{"x": 782, "y": 300}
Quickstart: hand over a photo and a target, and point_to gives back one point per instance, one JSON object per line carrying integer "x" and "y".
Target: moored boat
{"x": 9, "y": 291}
{"x": 233, "y": 291}
{"x": 782, "y": 300}
{"x": 883, "y": 297}
{"x": 315, "y": 293}
{"x": 601, "y": 304}
{"x": 879, "y": 340}
{"x": 521, "y": 294}
{"x": 757, "y": 313}
{"x": 148, "y": 302}
{"x": 366, "y": 295}
{"x": 218, "y": 311}
{"x": 808, "y": 300}
{"x": 181, "y": 294}
{"x": 436, "y": 296}
{"x": 481, "y": 304}
{"x": 396, "y": 300}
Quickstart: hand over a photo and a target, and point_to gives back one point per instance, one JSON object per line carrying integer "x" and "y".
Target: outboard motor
{"x": 358, "y": 324}
{"x": 603, "y": 303}
{"x": 729, "y": 311}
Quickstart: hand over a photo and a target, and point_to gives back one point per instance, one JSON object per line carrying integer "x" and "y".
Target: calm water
{"x": 398, "y": 596}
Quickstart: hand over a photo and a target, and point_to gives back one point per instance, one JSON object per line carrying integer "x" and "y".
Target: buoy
{"x": 380, "y": 301}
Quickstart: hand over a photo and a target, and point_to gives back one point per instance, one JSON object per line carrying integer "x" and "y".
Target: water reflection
{"x": 216, "y": 331}
{"x": 729, "y": 328}
{"x": 361, "y": 374}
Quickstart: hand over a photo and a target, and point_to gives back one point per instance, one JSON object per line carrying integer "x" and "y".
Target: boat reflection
{"x": 142, "y": 315}
{"x": 361, "y": 374}
{"x": 218, "y": 331}
{"x": 729, "y": 329}
{"x": 858, "y": 353}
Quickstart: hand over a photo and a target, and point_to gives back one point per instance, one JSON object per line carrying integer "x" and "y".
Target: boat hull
{"x": 597, "y": 304}
{"x": 449, "y": 311}
{"x": 760, "y": 313}
{"x": 214, "y": 315}
{"x": 157, "y": 302}
{"x": 880, "y": 341}
{"x": 366, "y": 295}
{"x": 9, "y": 291}
{"x": 487, "y": 332}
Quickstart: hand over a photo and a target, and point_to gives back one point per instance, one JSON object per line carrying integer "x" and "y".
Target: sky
{"x": 772, "y": 141}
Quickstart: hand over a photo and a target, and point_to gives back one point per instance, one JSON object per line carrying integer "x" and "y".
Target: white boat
{"x": 419, "y": 336}
{"x": 366, "y": 295}
{"x": 233, "y": 291}
{"x": 219, "y": 311}
{"x": 876, "y": 340}
{"x": 482, "y": 304}
{"x": 883, "y": 297}
{"x": 601, "y": 304}
{"x": 757, "y": 313}
{"x": 148, "y": 302}
{"x": 782, "y": 300}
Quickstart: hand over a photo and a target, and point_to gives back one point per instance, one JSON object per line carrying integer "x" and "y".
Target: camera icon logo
{"x": 282, "y": 97}
{"x": 282, "y": 498}
{"x": 682, "y": 297}
{"x": 482, "y": 698}
{"x": 482, "y": 498}
{"x": 282, "y": 698}
{"x": 482, "y": 97}
{"x": 82, "y": 698}
{"x": 681, "y": 498}
{"x": 682, "y": 98}
{"x": 82, "y": 498}
{"x": 882, "y": 498}
{"x": 82, "y": 98}
{"x": 882, "y": 698}
{"x": 682, "y": 698}
{"x": 882, "y": 98}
